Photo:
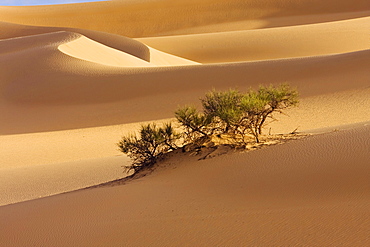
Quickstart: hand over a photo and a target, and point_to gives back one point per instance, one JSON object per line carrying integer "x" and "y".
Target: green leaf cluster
{"x": 149, "y": 145}
{"x": 229, "y": 114}
{"x": 234, "y": 113}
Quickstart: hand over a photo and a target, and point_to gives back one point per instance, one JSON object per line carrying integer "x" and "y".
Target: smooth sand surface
{"x": 42, "y": 164}
{"x": 147, "y": 18}
{"x": 311, "y": 192}
{"x": 75, "y": 78}
{"x": 89, "y": 50}
{"x": 272, "y": 43}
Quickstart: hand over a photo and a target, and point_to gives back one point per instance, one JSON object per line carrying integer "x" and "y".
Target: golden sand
{"x": 74, "y": 78}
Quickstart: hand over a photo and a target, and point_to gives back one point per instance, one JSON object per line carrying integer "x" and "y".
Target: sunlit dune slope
{"x": 295, "y": 41}
{"x": 92, "y": 94}
{"x": 138, "y": 18}
{"x": 89, "y": 50}
{"x": 121, "y": 43}
{"x": 314, "y": 191}
{"x": 72, "y": 44}
{"x": 32, "y": 181}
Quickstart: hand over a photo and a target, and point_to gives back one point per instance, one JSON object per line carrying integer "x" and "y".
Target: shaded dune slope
{"x": 165, "y": 17}
{"x": 320, "y": 182}
{"x": 86, "y": 49}
{"x": 118, "y": 42}
{"x": 74, "y": 86}
{"x": 273, "y": 43}
{"x": 62, "y": 79}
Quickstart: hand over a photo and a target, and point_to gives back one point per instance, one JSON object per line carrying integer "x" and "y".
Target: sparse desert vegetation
{"x": 227, "y": 118}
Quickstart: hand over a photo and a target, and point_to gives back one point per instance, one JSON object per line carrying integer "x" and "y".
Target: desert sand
{"x": 74, "y": 78}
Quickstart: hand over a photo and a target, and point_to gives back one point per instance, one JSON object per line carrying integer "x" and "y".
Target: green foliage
{"x": 230, "y": 114}
{"x": 236, "y": 114}
{"x": 196, "y": 125}
{"x": 151, "y": 143}
{"x": 223, "y": 108}
{"x": 272, "y": 99}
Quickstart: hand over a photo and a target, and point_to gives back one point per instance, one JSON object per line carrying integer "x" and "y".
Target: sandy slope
{"x": 36, "y": 164}
{"x": 86, "y": 49}
{"x": 273, "y": 43}
{"x": 89, "y": 50}
{"x": 124, "y": 44}
{"x": 312, "y": 192}
{"x": 72, "y": 85}
{"x": 166, "y": 17}
{"x": 73, "y": 93}
{"x": 94, "y": 95}
{"x": 42, "y": 164}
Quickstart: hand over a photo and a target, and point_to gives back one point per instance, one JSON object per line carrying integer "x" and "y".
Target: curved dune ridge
{"x": 121, "y": 43}
{"x": 272, "y": 43}
{"x": 74, "y": 78}
{"x": 92, "y": 51}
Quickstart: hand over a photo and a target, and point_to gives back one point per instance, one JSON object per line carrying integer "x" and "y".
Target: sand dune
{"x": 273, "y": 43}
{"x": 92, "y": 51}
{"x": 124, "y": 44}
{"x": 33, "y": 181}
{"x": 83, "y": 90}
{"x": 42, "y": 164}
{"x": 164, "y": 17}
{"x": 315, "y": 192}
{"x": 75, "y": 78}
{"x": 49, "y": 155}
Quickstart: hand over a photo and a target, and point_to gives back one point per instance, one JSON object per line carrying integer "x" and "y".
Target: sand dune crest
{"x": 273, "y": 43}
{"x": 89, "y": 50}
